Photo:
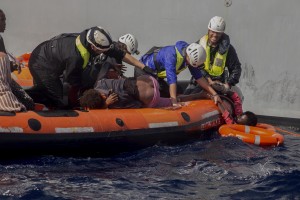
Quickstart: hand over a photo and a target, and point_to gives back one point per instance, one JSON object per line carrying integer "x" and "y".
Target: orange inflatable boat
{"x": 104, "y": 131}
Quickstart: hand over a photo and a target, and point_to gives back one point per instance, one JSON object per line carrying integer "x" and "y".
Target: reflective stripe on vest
{"x": 218, "y": 66}
{"x": 83, "y": 52}
{"x": 179, "y": 61}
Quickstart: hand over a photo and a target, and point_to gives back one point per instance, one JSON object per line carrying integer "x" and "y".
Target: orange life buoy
{"x": 266, "y": 126}
{"x": 262, "y": 134}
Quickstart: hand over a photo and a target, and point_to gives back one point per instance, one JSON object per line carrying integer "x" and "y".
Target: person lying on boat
{"x": 108, "y": 67}
{"x": 226, "y": 108}
{"x": 169, "y": 61}
{"x": 71, "y": 53}
{"x": 222, "y": 67}
{"x": 12, "y": 97}
{"x": 139, "y": 92}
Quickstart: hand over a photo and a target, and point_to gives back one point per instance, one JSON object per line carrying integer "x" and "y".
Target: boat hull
{"x": 105, "y": 132}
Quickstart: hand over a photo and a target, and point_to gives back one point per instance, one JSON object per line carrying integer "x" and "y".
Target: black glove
{"x": 150, "y": 71}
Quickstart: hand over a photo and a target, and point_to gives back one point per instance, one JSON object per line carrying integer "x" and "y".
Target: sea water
{"x": 219, "y": 168}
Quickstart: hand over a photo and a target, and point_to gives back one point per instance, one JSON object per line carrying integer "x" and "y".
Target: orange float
{"x": 266, "y": 126}
{"x": 24, "y": 78}
{"x": 24, "y": 58}
{"x": 262, "y": 134}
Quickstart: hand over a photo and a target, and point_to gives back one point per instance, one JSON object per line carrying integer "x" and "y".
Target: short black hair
{"x": 91, "y": 99}
{"x": 252, "y": 118}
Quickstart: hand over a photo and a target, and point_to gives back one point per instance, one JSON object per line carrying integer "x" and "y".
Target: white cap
{"x": 217, "y": 24}
{"x": 131, "y": 43}
{"x": 196, "y": 54}
{"x": 99, "y": 37}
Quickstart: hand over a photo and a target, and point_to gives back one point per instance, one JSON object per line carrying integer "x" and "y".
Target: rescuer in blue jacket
{"x": 169, "y": 61}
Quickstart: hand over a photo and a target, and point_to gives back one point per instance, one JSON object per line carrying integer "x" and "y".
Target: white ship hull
{"x": 264, "y": 33}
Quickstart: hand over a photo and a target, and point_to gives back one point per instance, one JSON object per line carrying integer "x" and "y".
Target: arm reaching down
{"x": 204, "y": 84}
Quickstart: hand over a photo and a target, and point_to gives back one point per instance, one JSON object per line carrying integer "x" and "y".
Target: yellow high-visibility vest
{"x": 85, "y": 54}
{"x": 218, "y": 66}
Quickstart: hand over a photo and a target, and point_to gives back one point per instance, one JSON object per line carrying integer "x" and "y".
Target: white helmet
{"x": 217, "y": 24}
{"x": 99, "y": 37}
{"x": 131, "y": 43}
{"x": 196, "y": 54}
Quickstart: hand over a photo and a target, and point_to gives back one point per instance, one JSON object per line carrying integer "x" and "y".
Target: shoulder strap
{"x": 64, "y": 35}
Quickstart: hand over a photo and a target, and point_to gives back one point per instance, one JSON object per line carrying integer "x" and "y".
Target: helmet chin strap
{"x": 96, "y": 51}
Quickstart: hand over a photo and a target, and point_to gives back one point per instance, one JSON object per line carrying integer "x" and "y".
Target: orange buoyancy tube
{"x": 266, "y": 126}
{"x": 262, "y": 134}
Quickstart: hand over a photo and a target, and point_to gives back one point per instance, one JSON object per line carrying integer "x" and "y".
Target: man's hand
{"x": 120, "y": 68}
{"x": 216, "y": 98}
{"x": 174, "y": 107}
{"x": 112, "y": 98}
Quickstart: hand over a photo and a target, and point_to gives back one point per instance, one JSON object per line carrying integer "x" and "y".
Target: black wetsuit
{"x": 59, "y": 57}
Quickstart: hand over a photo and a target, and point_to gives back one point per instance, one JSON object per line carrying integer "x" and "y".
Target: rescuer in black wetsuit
{"x": 67, "y": 55}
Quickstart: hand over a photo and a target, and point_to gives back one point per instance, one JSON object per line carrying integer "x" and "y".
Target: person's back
{"x": 168, "y": 61}
{"x": 143, "y": 85}
{"x": 50, "y": 61}
{"x": 149, "y": 94}
{"x": 125, "y": 93}
{"x": 58, "y": 52}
